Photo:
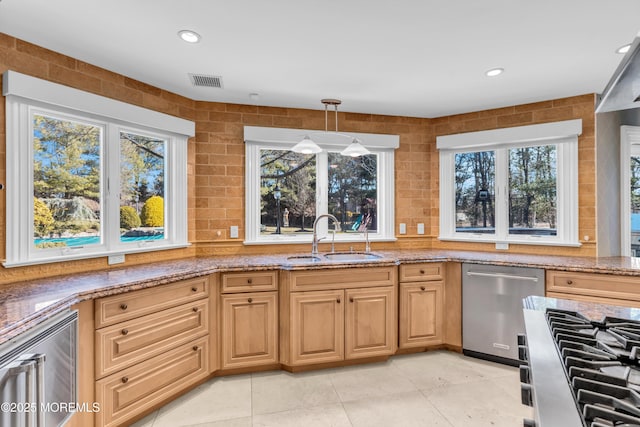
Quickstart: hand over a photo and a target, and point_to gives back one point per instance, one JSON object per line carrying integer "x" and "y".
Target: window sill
{"x": 72, "y": 257}
{"x": 533, "y": 241}
{"x": 323, "y": 241}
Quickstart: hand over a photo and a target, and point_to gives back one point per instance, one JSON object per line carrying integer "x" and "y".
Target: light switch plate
{"x": 420, "y": 228}
{"x": 403, "y": 228}
{"x": 115, "y": 259}
{"x": 233, "y": 232}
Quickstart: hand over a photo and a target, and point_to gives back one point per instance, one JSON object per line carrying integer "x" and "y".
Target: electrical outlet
{"x": 115, "y": 259}
{"x": 420, "y": 228}
{"x": 233, "y": 232}
{"x": 403, "y": 228}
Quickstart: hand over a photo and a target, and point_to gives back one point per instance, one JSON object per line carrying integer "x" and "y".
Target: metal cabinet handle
{"x": 125, "y": 331}
{"x": 338, "y": 300}
{"x": 123, "y": 306}
{"x": 194, "y": 289}
{"x": 422, "y": 288}
{"x": 195, "y": 348}
{"x": 250, "y": 300}
{"x": 569, "y": 282}
{"x": 125, "y": 380}
{"x": 195, "y": 309}
{"x": 421, "y": 271}
{"x": 249, "y": 281}
{"x": 350, "y": 299}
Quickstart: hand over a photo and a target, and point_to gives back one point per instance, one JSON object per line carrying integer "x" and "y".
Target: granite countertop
{"x": 592, "y": 311}
{"x": 25, "y": 304}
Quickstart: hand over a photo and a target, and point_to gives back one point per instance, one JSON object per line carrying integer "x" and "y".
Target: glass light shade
{"x": 355, "y": 149}
{"x": 276, "y": 193}
{"x": 306, "y": 146}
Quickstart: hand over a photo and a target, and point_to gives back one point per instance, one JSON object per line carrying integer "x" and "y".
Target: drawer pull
{"x": 195, "y": 348}
{"x": 250, "y": 300}
{"x": 569, "y": 282}
{"x": 194, "y": 289}
{"x": 125, "y": 331}
{"x": 123, "y": 306}
{"x": 422, "y": 288}
{"x": 195, "y": 309}
{"x": 249, "y": 281}
{"x": 421, "y": 271}
{"x": 125, "y": 380}
{"x": 351, "y": 299}
{"x": 338, "y": 300}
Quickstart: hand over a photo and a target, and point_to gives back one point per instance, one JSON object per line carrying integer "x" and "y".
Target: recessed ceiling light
{"x": 494, "y": 72}
{"x": 624, "y": 49}
{"x": 189, "y": 36}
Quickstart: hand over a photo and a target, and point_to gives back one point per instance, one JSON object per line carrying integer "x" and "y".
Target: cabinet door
{"x": 317, "y": 327}
{"x": 249, "y": 329}
{"x": 421, "y": 314}
{"x": 370, "y": 322}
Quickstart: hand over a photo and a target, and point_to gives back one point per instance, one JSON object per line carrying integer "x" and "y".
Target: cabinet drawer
{"x": 596, "y": 285}
{"x": 420, "y": 272}
{"x": 134, "y": 390}
{"x": 308, "y": 280}
{"x": 130, "y": 305}
{"x": 250, "y": 281}
{"x": 122, "y": 345}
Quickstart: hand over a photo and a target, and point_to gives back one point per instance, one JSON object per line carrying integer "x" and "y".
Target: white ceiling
{"x": 422, "y": 58}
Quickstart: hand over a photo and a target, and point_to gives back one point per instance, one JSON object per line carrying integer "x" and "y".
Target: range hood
{"x": 623, "y": 90}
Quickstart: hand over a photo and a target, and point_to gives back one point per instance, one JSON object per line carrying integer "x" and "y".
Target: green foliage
{"x": 47, "y": 245}
{"x": 129, "y": 218}
{"x": 42, "y": 218}
{"x": 66, "y": 158}
{"x": 152, "y": 214}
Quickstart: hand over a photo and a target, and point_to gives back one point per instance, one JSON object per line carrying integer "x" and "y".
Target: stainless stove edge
{"x": 553, "y": 400}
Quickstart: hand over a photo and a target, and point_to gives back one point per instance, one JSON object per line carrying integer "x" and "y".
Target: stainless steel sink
{"x": 351, "y": 256}
{"x": 304, "y": 258}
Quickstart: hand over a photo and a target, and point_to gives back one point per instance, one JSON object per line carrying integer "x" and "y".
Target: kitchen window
{"x": 286, "y": 191}
{"x": 88, "y": 176}
{"x": 514, "y": 185}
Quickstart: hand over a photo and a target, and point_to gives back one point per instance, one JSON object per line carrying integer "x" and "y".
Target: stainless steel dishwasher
{"x": 492, "y": 309}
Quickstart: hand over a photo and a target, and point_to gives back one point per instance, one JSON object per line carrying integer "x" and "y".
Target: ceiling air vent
{"x": 202, "y": 80}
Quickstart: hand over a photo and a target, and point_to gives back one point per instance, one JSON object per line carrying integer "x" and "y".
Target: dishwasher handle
{"x": 501, "y": 276}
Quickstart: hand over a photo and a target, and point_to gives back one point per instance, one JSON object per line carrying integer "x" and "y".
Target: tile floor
{"x": 438, "y": 388}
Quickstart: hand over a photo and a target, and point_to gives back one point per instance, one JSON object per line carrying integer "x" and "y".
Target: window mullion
{"x": 322, "y": 189}
{"x": 502, "y": 194}
{"x": 111, "y": 186}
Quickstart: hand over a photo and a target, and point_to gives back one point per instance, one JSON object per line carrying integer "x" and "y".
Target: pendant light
{"x": 307, "y": 146}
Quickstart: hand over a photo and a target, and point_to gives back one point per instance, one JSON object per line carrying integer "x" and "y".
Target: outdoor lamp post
{"x": 277, "y": 195}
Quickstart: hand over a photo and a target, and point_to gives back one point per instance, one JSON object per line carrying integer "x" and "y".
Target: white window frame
{"x": 261, "y": 138}
{"x": 26, "y": 96}
{"x": 629, "y": 146}
{"x": 564, "y": 135}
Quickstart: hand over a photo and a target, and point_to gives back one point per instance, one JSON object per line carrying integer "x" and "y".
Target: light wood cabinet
{"x": 595, "y": 287}
{"x": 370, "y": 322}
{"x": 421, "y": 315}
{"x": 131, "y": 305}
{"x": 250, "y": 329}
{"x": 150, "y": 345}
{"x": 249, "y": 319}
{"x": 135, "y": 340}
{"x": 143, "y": 386}
{"x": 338, "y": 316}
{"x": 317, "y": 327}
